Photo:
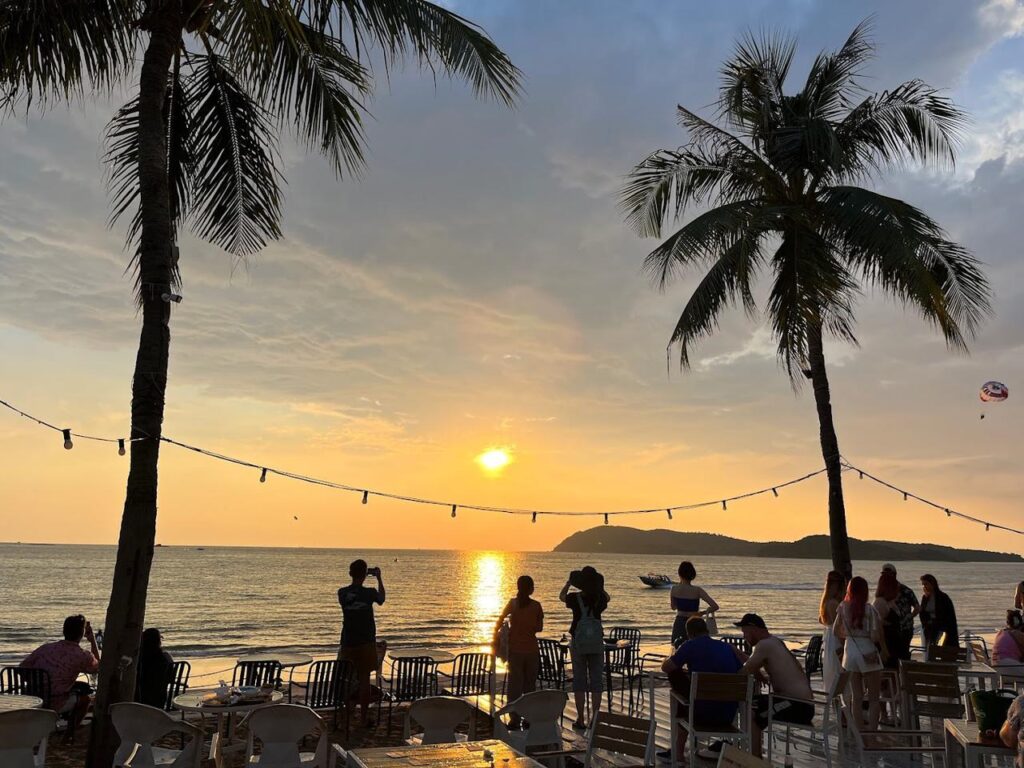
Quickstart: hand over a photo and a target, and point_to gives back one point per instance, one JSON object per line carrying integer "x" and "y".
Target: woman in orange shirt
{"x": 526, "y": 619}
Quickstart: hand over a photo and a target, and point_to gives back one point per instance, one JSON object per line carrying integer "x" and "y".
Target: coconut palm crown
{"x": 783, "y": 178}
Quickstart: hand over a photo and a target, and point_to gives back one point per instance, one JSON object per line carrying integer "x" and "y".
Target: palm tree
{"x": 219, "y": 80}
{"x": 782, "y": 182}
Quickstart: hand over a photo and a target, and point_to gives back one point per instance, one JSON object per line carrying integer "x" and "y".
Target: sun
{"x": 494, "y": 459}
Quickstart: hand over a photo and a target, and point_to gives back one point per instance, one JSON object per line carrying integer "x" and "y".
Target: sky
{"x": 476, "y": 287}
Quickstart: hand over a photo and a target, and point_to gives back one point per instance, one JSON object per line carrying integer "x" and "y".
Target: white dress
{"x": 831, "y": 649}
{"x": 859, "y": 651}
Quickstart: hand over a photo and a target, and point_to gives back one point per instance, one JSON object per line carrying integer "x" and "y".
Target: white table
{"x": 465, "y": 754}
{"x": 12, "y": 701}
{"x": 964, "y": 737}
{"x": 192, "y": 701}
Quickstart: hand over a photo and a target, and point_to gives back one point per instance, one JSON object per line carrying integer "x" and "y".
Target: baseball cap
{"x": 889, "y": 567}
{"x": 751, "y": 620}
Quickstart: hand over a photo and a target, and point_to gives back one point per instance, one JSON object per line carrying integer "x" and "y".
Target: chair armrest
{"x": 215, "y": 759}
{"x": 338, "y": 756}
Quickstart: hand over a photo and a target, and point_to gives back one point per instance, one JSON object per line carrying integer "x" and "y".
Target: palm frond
{"x": 54, "y": 49}
{"x": 752, "y": 79}
{"x": 305, "y": 77}
{"x": 432, "y": 34}
{"x": 911, "y": 122}
{"x": 833, "y": 78}
{"x": 236, "y": 193}
{"x": 726, "y": 282}
{"x": 901, "y": 250}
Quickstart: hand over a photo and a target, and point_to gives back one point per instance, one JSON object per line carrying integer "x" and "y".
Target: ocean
{"x": 222, "y": 602}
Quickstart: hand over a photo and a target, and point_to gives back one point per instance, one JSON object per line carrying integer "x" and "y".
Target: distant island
{"x": 633, "y": 541}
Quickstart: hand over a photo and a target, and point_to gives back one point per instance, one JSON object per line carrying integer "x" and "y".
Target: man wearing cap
{"x": 907, "y": 607}
{"x": 791, "y": 692}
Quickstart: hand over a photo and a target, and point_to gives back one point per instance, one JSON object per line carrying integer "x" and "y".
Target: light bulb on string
{"x": 606, "y": 518}
{"x": 67, "y": 439}
{"x": 120, "y": 446}
{"x": 534, "y": 520}
{"x": 861, "y": 474}
{"x": 986, "y": 526}
{"x": 453, "y": 509}
{"x": 669, "y": 513}
{"x": 263, "y": 475}
{"x": 366, "y": 497}
{"x": 775, "y": 493}
{"x": 948, "y": 513}
{"x": 904, "y": 495}
{"x": 724, "y": 507}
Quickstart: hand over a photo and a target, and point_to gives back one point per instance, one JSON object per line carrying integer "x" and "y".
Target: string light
{"x": 774, "y": 490}
{"x": 534, "y": 518}
{"x": 169, "y": 297}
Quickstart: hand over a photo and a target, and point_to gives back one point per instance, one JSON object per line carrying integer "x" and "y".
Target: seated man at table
{"x": 785, "y": 674}
{"x": 358, "y": 629}
{"x": 701, "y": 653}
{"x": 64, "y": 660}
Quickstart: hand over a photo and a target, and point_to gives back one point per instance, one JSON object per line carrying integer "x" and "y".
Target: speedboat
{"x": 657, "y": 580}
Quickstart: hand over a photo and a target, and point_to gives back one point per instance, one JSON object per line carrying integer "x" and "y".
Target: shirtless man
{"x": 771, "y": 660}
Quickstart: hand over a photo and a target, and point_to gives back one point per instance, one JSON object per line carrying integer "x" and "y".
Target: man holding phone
{"x": 358, "y": 629}
{"x": 64, "y": 661}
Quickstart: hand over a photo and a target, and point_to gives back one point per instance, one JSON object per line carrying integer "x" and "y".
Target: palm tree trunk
{"x": 840, "y": 543}
{"x": 127, "y": 609}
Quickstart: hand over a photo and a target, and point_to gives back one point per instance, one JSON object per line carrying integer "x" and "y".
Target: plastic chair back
{"x": 542, "y": 710}
{"x": 21, "y": 731}
{"x": 26, "y": 681}
{"x": 439, "y": 716}
{"x": 279, "y": 728}
{"x": 140, "y": 726}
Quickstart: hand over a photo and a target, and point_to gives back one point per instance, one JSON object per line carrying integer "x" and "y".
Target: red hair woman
{"x": 860, "y": 628}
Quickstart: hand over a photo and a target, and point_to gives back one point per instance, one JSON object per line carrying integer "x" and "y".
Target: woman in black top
{"x": 587, "y": 604}
{"x": 156, "y": 670}
{"x": 938, "y": 616}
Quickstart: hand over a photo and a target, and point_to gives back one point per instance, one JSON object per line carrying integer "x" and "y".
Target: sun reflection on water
{"x": 487, "y": 594}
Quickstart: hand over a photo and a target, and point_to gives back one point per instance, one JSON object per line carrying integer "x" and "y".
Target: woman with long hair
{"x": 938, "y": 616}
{"x": 685, "y": 600}
{"x": 831, "y": 648}
{"x": 1008, "y": 647}
{"x": 886, "y": 603}
{"x": 155, "y": 671}
{"x": 587, "y": 647}
{"x": 859, "y": 627}
{"x": 526, "y": 618}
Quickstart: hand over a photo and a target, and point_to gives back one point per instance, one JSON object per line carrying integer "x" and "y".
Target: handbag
{"x": 712, "y": 622}
{"x": 501, "y": 640}
{"x": 991, "y": 707}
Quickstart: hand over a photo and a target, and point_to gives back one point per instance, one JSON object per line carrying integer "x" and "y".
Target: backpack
{"x": 589, "y": 634}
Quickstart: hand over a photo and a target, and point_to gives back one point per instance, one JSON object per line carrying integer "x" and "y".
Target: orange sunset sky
{"x": 477, "y": 288}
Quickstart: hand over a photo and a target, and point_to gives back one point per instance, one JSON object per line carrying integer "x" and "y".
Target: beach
{"x": 214, "y": 604}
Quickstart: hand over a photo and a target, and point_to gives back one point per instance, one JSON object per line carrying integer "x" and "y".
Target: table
{"x": 11, "y": 701}
{"x": 966, "y": 735}
{"x": 440, "y": 657}
{"x": 977, "y": 670}
{"x": 466, "y": 754}
{"x": 192, "y": 701}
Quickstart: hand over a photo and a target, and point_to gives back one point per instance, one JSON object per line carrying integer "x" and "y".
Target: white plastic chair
{"x": 279, "y": 728}
{"x": 139, "y": 725}
{"x": 542, "y": 711}
{"x": 21, "y": 732}
{"x": 439, "y": 716}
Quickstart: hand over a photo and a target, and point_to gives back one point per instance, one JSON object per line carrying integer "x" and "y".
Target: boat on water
{"x": 657, "y": 580}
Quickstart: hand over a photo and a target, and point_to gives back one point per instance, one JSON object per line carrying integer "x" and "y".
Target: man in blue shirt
{"x": 702, "y": 653}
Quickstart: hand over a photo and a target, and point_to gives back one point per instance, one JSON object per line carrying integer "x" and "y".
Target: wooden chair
{"x": 949, "y": 654}
{"x": 22, "y": 733}
{"x": 829, "y": 715}
{"x": 929, "y": 690}
{"x": 620, "y": 735}
{"x": 708, "y": 686}
{"x": 733, "y": 757}
{"x": 977, "y": 649}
